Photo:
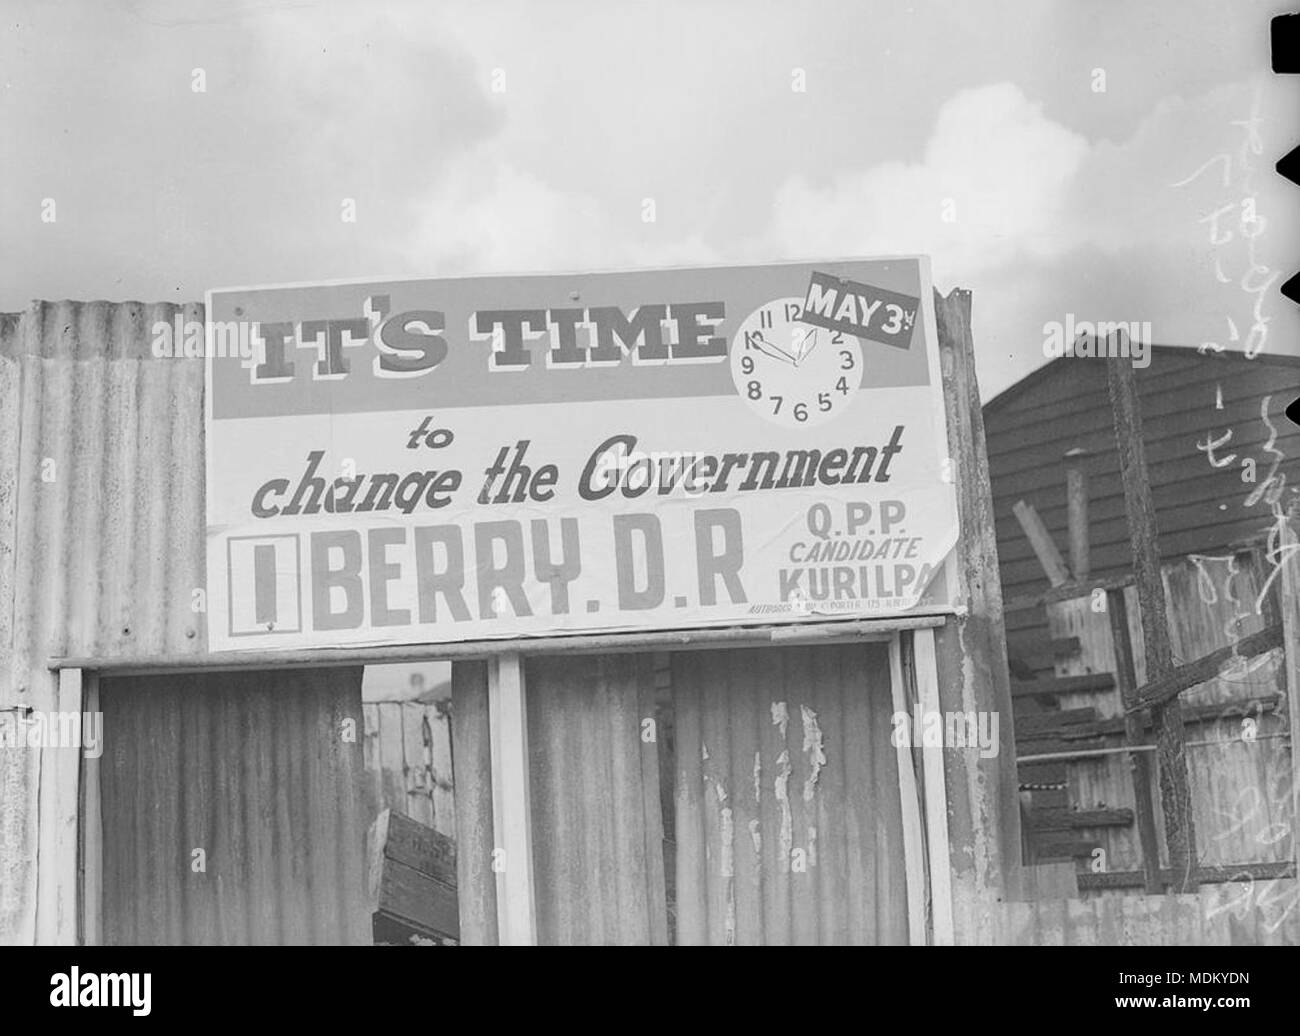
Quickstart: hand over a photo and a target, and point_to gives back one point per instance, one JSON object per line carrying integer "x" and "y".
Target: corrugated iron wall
{"x": 785, "y": 815}
{"x": 256, "y": 770}
{"x": 789, "y": 825}
{"x": 594, "y": 788}
{"x": 101, "y": 529}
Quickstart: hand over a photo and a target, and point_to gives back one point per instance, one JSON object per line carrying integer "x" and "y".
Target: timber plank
{"x": 1204, "y": 875}
{"x": 1073, "y": 819}
{"x": 1055, "y": 685}
{"x": 1178, "y": 679}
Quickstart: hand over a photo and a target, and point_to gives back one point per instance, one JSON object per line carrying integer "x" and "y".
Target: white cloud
{"x": 488, "y": 216}
{"x": 1047, "y": 224}
{"x": 994, "y": 164}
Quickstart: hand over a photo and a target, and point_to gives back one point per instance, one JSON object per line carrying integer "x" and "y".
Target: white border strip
{"x": 913, "y": 839}
{"x": 511, "y": 804}
{"x": 936, "y": 793}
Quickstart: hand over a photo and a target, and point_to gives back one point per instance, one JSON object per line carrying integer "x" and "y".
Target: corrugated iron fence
{"x": 101, "y": 539}
{"x": 232, "y": 809}
{"x": 789, "y": 823}
{"x": 781, "y": 822}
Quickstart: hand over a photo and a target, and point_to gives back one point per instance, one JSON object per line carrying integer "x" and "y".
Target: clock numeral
{"x": 778, "y": 399}
{"x": 837, "y": 338}
{"x": 824, "y": 400}
{"x": 793, "y": 311}
{"x": 847, "y": 357}
{"x": 747, "y": 365}
{"x": 801, "y": 411}
{"x": 765, "y": 318}
{"x": 755, "y": 390}
{"x": 843, "y": 386}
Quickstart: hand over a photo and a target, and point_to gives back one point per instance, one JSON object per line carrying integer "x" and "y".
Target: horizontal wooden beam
{"x": 1038, "y": 745}
{"x": 603, "y": 643}
{"x": 1064, "y": 848}
{"x": 1072, "y": 754}
{"x": 1166, "y": 689}
{"x": 1054, "y": 723}
{"x": 1065, "y": 592}
{"x": 1263, "y": 704}
{"x": 1074, "y": 819}
{"x": 1038, "y": 644}
{"x": 1204, "y": 876}
{"x": 1083, "y": 684}
{"x": 1039, "y": 653}
{"x": 1053, "y": 772}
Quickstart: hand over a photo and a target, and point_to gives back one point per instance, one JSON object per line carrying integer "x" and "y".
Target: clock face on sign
{"x": 792, "y": 373}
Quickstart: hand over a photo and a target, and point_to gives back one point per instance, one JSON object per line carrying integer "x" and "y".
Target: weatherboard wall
{"x": 1200, "y": 508}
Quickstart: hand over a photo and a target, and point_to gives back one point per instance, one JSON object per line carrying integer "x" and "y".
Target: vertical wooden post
{"x": 1175, "y": 796}
{"x": 58, "y": 897}
{"x": 476, "y": 886}
{"x": 971, "y": 656}
{"x": 511, "y": 809}
{"x": 1126, "y": 681}
{"x": 936, "y": 813}
{"x": 92, "y": 831}
{"x": 914, "y": 856}
{"x": 1288, "y": 558}
{"x": 1076, "y": 509}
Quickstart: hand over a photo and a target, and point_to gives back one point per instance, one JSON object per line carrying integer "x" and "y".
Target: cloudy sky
{"x": 1050, "y": 156}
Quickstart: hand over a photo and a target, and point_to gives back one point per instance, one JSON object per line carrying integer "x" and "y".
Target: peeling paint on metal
{"x": 857, "y": 893}
{"x": 813, "y": 745}
{"x": 780, "y": 788}
{"x": 780, "y": 717}
{"x": 727, "y": 864}
{"x": 728, "y": 832}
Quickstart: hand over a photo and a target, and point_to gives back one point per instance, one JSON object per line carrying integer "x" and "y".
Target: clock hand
{"x": 774, "y": 351}
{"x": 810, "y": 341}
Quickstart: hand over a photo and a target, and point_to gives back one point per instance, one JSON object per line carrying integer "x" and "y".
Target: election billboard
{"x": 430, "y": 461}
